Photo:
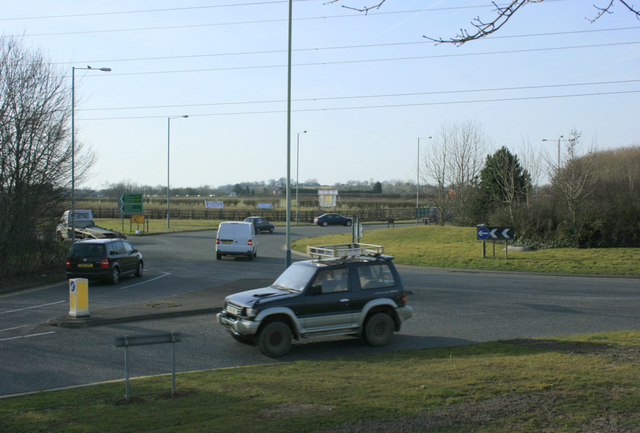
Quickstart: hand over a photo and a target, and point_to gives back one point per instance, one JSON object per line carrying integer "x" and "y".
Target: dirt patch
{"x": 289, "y": 410}
{"x": 617, "y": 353}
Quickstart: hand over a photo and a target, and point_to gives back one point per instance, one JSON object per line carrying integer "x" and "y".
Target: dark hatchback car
{"x": 106, "y": 259}
{"x": 260, "y": 224}
{"x": 329, "y": 219}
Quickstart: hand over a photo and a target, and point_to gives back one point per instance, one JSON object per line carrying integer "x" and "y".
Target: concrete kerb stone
{"x": 204, "y": 301}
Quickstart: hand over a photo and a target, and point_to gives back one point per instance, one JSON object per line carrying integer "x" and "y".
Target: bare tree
{"x": 454, "y": 162}
{"x": 35, "y": 155}
{"x": 503, "y": 13}
{"x": 573, "y": 178}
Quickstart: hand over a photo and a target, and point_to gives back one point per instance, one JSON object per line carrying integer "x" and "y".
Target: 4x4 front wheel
{"x": 379, "y": 329}
{"x": 274, "y": 339}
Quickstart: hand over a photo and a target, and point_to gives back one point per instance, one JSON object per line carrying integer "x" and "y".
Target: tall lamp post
{"x": 418, "y": 174}
{"x": 559, "y": 139}
{"x": 169, "y": 165}
{"x": 297, "y": 169}
{"x": 73, "y": 144}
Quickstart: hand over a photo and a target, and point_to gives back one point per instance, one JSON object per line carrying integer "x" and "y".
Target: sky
{"x": 368, "y": 89}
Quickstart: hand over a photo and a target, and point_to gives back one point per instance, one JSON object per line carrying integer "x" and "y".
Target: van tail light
{"x": 250, "y": 242}
{"x": 68, "y": 264}
{"x": 104, "y": 264}
{"x": 217, "y": 241}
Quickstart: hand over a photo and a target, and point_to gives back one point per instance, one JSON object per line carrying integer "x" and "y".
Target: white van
{"x": 236, "y": 238}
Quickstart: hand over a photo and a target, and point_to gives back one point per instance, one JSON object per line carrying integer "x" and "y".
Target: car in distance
{"x": 328, "y": 219}
{"x": 353, "y": 291}
{"x": 260, "y": 224}
{"x": 106, "y": 259}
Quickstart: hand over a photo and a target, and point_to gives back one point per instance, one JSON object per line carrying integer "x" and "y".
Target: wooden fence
{"x": 364, "y": 215}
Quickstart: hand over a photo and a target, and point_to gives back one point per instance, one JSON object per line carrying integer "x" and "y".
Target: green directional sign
{"x": 130, "y": 204}
{"x": 131, "y": 198}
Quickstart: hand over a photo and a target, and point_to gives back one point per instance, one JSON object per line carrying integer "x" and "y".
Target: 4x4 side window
{"x": 375, "y": 276}
{"x": 333, "y": 280}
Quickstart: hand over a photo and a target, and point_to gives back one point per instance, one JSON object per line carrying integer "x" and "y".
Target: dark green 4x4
{"x": 348, "y": 289}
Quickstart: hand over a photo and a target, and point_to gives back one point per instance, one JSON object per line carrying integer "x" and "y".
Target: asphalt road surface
{"x": 450, "y": 308}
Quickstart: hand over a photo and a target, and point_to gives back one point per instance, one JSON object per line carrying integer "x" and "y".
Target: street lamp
{"x": 168, "y": 164}
{"x": 297, "y": 167}
{"x": 418, "y": 174}
{"x": 73, "y": 144}
{"x": 559, "y": 139}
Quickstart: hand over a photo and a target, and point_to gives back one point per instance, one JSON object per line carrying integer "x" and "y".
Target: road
{"x": 450, "y": 308}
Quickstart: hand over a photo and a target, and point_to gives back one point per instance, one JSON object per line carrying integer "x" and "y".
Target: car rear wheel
{"x": 140, "y": 270}
{"x": 324, "y": 223}
{"x": 379, "y": 329}
{"x": 275, "y": 339}
{"x": 115, "y": 275}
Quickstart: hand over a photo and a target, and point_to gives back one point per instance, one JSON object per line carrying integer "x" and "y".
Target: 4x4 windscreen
{"x": 295, "y": 277}
{"x": 87, "y": 250}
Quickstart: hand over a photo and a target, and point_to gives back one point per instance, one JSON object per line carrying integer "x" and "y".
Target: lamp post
{"x": 169, "y": 164}
{"x": 73, "y": 144}
{"x": 297, "y": 169}
{"x": 559, "y": 139}
{"x": 287, "y": 254}
{"x": 418, "y": 175}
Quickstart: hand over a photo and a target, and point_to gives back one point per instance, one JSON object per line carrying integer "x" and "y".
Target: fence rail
{"x": 271, "y": 214}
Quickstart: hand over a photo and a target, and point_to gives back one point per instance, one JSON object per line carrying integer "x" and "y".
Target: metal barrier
{"x": 143, "y": 340}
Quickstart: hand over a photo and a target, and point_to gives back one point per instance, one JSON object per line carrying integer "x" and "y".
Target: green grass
{"x": 497, "y": 387}
{"x": 457, "y": 247}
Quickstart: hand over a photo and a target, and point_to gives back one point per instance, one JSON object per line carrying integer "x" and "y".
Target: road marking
{"x": 164, "y": 274}
{"x": 28, "y": 336}
{"x": 31, "y": 308}
{"x": 11, "y": 329}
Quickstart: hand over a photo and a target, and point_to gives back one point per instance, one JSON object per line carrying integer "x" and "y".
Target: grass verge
{"x": 582, "y": 383}
{"x": 457, "y": 247}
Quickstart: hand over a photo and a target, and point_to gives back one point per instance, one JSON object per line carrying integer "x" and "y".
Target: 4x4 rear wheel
{"x": 275, "y": 339}
{"x": 379, "y": 329}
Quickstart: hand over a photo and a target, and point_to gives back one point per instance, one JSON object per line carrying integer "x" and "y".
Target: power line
{"x": 387, "y": 59}
{"x": 391, "y": 95}
{"x": 423, "y": 104}
{"x": 344, "y": 47}
{"x": 251, "y": 22}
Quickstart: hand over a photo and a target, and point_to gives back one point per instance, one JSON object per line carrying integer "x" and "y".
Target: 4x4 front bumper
{"x": 236, "y": 325}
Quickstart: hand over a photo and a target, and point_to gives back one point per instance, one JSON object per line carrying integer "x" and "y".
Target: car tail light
{"x": 68, "y": 264}
{"x": 250, "y": 242}
{"x": 104, "y": 263}
{"x": 217, "y": 241}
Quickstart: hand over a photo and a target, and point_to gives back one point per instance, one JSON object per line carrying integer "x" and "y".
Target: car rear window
{"x": 375, "y": 276}
{"x": 87, "y": 250}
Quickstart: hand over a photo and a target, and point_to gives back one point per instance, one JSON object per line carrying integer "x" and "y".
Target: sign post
{"x": 484, "y": 233}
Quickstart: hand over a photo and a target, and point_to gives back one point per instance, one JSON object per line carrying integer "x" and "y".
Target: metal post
{"x": 73, "y": 154}
{"x": 168, "y": 164}
{"x": 287, "y": 258}
{"x": 173, "y": 365}
{"x": 297, "y": 170}
{"x": 73, "y": 145}
{"x": 126, "y": 369}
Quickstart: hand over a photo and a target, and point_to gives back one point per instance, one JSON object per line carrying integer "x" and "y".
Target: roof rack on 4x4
{"x": 344, "y": 250}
